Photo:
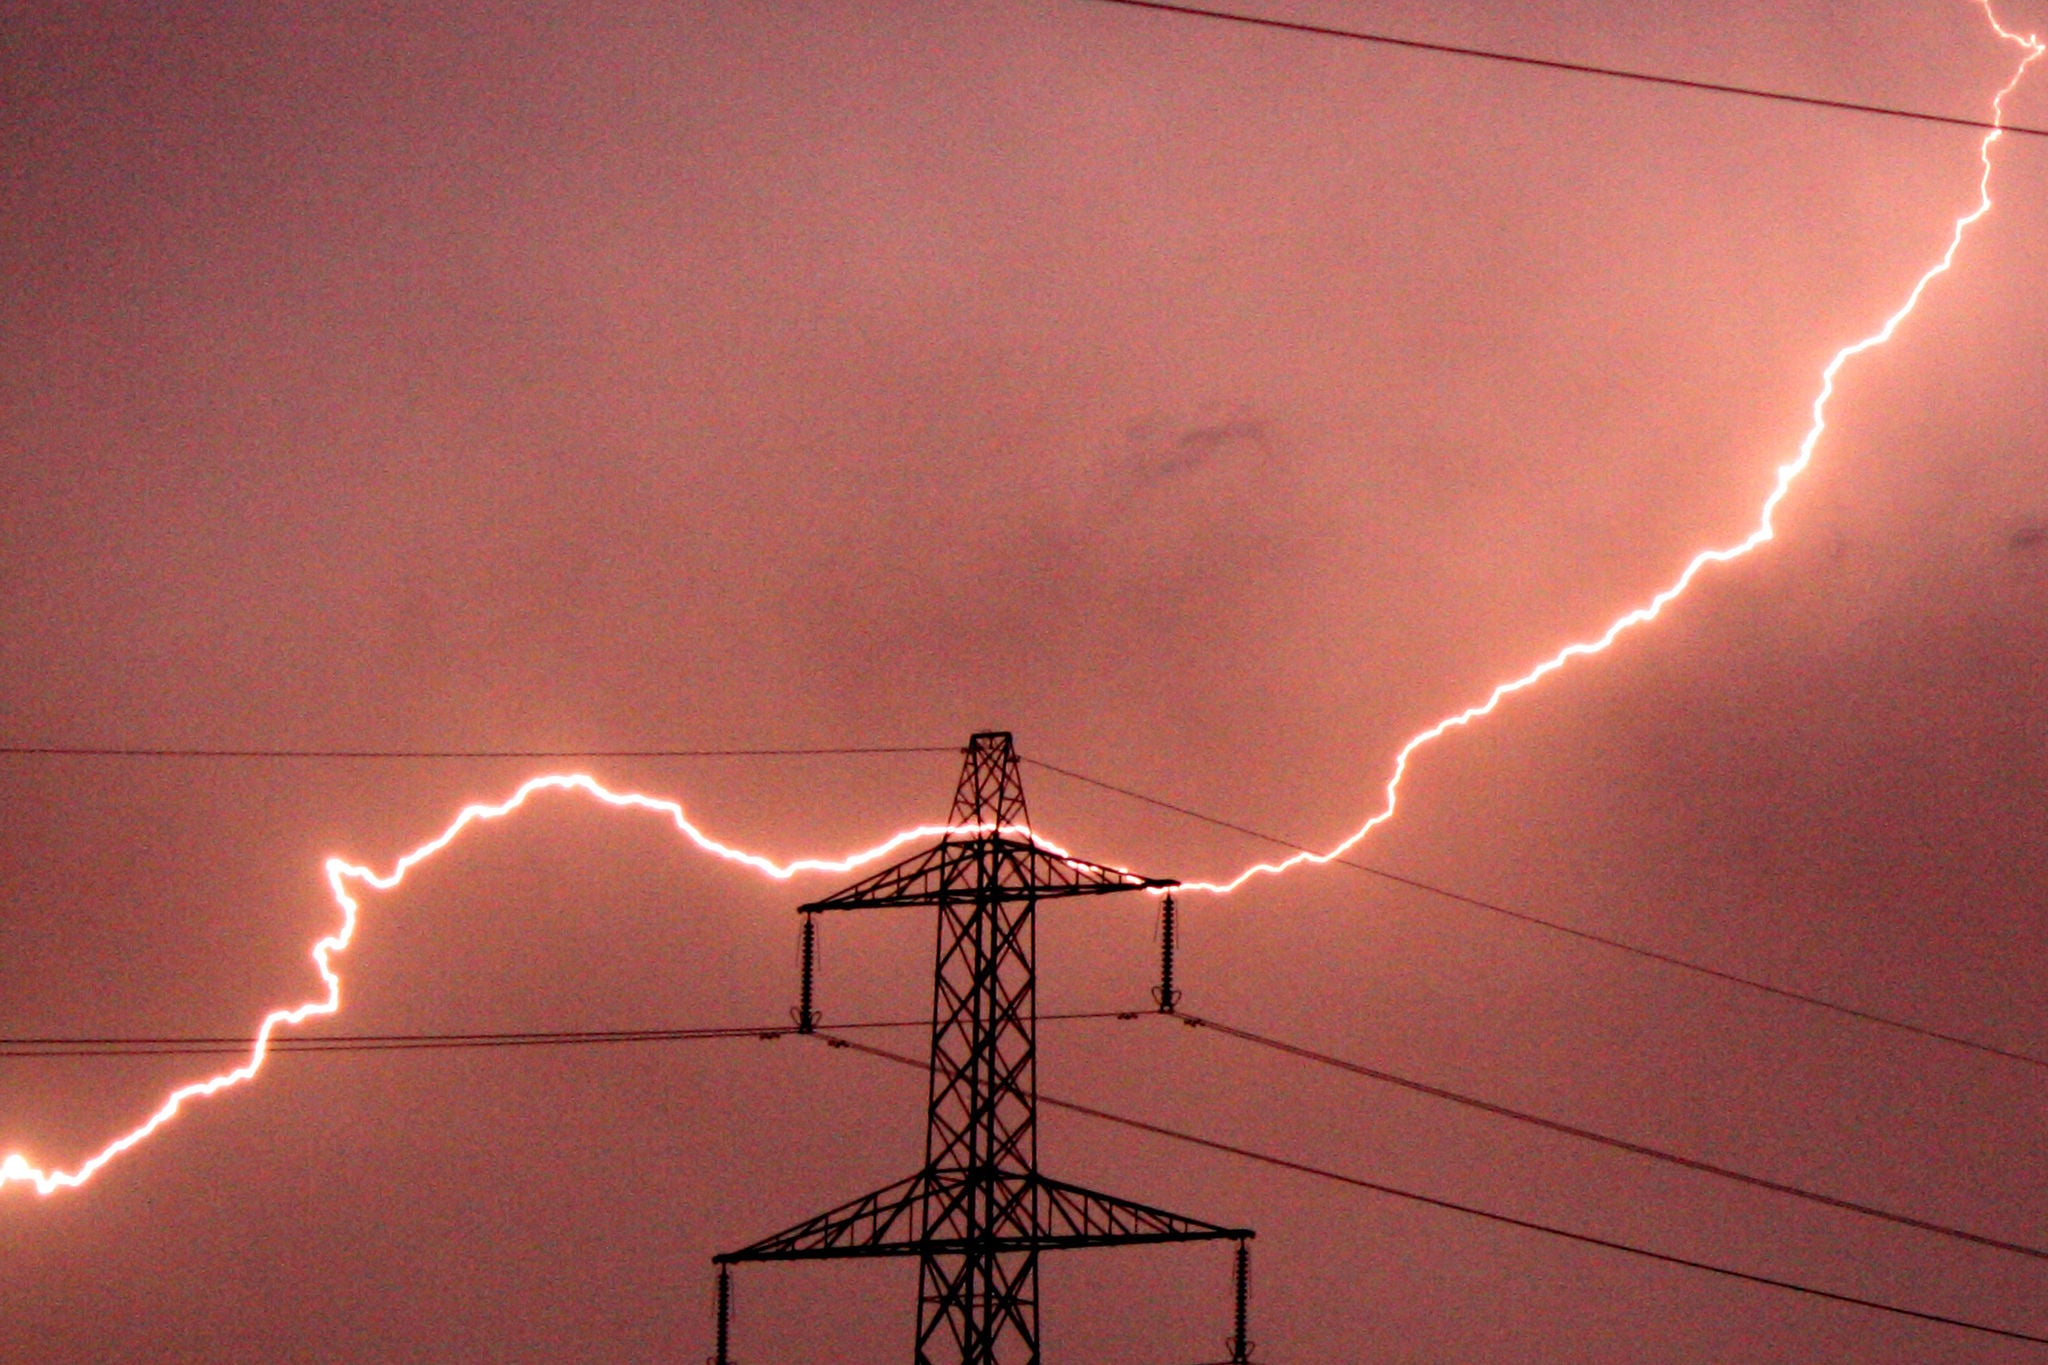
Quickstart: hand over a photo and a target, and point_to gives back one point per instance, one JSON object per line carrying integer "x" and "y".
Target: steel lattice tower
{"x": 978, "y": 1214}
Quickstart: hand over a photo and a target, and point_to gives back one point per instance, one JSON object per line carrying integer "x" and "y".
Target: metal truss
{"x": 978, "y": 1214}
{"x": 1036, "y": 1213}
{"x": 965, "y": 866}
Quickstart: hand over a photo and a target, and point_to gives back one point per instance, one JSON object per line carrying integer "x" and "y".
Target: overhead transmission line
{"x": 1556, "y": 926}
{"x": 1385, "y": 874}
{"x": 108, "y": 751}
{"x": 169, "y": 1045}
{"x": 1413, "y": 883}
{"x": 1571, "y": 68}
{"x": 220, "y": 1045}
{"x": 1471, "y": 1210}
{"x": 371, "y": 1042}
{"x": 1619, "y": 1144}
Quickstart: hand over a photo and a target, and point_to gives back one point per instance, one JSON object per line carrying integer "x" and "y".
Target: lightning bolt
{"x": 345, "y": 879}
{"x": 1766, "y": 528}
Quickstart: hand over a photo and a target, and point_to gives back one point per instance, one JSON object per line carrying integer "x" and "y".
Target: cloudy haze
{"x": 1214, "y": 408}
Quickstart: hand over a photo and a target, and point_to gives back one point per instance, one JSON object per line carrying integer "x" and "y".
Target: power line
{"x": 1619, "y": 1144}
{"x": 1529, "y": 1225}
{"x": 1496, "y": 908}
{"x": 186, "y": 1045}
{"x": 214, "y": 1047}
{"x": 99, "y": 752}
{"x": 1572, "y": 68}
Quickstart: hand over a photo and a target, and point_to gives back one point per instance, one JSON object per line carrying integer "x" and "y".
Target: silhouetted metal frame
{"x": 978, "y": 1214}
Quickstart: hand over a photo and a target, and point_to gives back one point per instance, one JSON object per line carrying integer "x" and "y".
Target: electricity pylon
{"x": 978, "y": 1214}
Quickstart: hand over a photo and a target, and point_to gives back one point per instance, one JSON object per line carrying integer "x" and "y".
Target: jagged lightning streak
{"x": 342, "y": 875}
{"x": 1766, "y": 528}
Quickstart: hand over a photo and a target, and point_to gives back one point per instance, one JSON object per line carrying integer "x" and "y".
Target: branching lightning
{"x": 346, "y": 879}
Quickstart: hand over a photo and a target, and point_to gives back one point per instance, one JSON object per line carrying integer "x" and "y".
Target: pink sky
{"x": 1212, "y": 408}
